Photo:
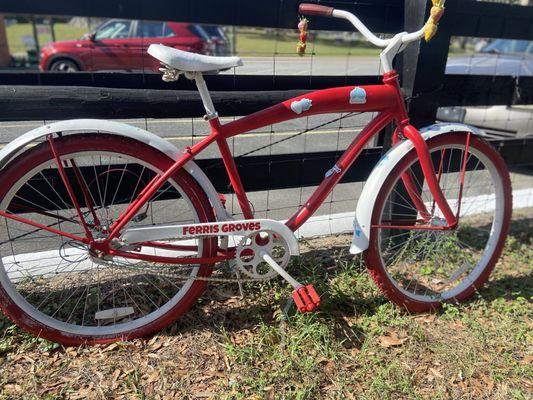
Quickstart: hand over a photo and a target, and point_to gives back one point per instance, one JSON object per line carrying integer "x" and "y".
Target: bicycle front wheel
{"x": 53, "y": 285}
{"x": 421, "y": 268}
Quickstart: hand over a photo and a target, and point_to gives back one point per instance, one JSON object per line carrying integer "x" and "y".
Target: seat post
{"x": 206, "y": 97}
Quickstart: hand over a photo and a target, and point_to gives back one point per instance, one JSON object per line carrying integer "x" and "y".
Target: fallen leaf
{"x": 355, "y": 351}
{"x": 202, "y": 395}
{"x": 153, "y": 376}
{"x": 115, "y": 375}
{"x": 13, "y": 388}
{"x": 329, "y": 369}
{"x": 435, "y": 373}
{"x": 111, "y": 347}
{"x": 478, "y": 387}
{"x": 458, "y": 324}
{"x": 489, "y": 383}
{"x": 527, "y": 360}
{"x": 426, "y": 319}
{"x": 391, "y": 340}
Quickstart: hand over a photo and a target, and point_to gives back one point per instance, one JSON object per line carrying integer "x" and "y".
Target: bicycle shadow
{"x": 338, "y": 309}
{"x": 221, "y": 309}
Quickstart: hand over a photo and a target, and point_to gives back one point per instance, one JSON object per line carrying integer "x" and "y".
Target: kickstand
{"x": 239, "y": 282}
{"x": 283, "y": 323}
{"x": 286, "y": 309}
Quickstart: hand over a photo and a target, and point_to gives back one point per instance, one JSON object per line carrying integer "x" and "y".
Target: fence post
{"x": 407, "y": 62}
{"x": 424, "y": 66}
{"x": 5, "y": 57}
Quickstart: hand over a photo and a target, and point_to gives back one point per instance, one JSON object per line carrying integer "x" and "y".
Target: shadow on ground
{"x": 337, "y": 307}
{"x": 221, "y": 309}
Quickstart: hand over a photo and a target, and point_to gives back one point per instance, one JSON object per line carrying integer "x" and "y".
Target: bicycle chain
{"x": 220, "y": 280}
{"x": 211, "y": 278}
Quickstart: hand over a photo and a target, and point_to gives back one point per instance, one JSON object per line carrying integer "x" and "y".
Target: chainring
{"x": 248, "y": 259}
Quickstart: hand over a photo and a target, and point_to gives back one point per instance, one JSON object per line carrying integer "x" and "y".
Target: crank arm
{"x": 305, "y": 297}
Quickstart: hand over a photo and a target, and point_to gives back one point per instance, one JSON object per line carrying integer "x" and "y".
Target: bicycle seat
{"x": 191, "y": 62}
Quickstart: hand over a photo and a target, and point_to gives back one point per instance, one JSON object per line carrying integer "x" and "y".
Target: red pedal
{"x": 306, "y": 299}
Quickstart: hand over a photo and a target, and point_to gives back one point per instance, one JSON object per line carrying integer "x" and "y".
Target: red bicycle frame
{"x": 386, "y": 99}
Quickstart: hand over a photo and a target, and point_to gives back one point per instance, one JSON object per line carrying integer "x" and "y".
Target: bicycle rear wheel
{"x": 53, "y": 286}
{"x": 422, "y": 268}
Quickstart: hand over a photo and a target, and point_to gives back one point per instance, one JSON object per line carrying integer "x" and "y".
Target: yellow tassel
{"x": 430, "y": 31}
{"x": 300, "y": 48}
{"x": 437, "y": 13}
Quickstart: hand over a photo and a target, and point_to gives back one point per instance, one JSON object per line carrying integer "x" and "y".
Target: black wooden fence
{"x": 46, "y": 96}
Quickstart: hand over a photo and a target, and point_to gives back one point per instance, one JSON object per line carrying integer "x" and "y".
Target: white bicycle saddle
{"x": 191, "y": 62}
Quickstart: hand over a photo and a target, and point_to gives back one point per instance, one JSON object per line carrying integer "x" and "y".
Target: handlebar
{"x": 428, "y": 30}
{"x": 315, "y": 9}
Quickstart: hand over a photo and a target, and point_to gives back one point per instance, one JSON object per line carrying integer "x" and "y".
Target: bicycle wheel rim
{"x": 97, "y": 331}
{"x": 472, "y": 276}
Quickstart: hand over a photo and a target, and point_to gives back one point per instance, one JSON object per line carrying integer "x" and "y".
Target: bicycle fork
{"x": 422, "y": 151}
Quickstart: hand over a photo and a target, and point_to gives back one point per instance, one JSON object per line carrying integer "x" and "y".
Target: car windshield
{"x": 213, "y": 31}
{"x": 502, "y": 46}
{"x": 199, "y": 31}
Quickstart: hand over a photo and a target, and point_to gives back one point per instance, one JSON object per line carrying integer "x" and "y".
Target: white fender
{"x": 365, "y": 205}
{"x": 77, "y": 126}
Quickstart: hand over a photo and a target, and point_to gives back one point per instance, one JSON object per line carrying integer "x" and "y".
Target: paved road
{"x": 308, "y": 65}
{"x": 328, "y": 137}
{"x": 282, "y": 65}
{"x": 332, "y": 136}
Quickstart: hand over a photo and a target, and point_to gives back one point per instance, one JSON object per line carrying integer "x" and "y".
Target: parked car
{"x": 500, "y": 57}
{"x": 217, "y": 35}
{"x": 120, "y": 44}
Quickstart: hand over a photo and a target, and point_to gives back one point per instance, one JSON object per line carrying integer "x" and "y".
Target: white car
{"x": 500, "y": 57}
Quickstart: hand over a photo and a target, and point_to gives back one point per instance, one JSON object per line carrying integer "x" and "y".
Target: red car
{"x": 120, "y": 44}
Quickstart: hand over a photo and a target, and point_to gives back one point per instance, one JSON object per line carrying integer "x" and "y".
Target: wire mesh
{"x": 271, "y": 52}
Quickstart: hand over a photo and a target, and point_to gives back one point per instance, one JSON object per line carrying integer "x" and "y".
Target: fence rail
{"x": 45, "y": 96}
{"x": 93, "y": 96}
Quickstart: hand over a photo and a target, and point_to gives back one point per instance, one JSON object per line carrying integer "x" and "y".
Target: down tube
{"x": 339, "y": 169}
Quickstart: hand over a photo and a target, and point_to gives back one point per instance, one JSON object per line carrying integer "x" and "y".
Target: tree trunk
{"x": 5, "y": 58}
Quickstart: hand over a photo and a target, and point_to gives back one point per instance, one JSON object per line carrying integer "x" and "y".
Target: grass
{"x": 283, "y": 43}
{"x": 63, "y": 31}
{"x": 249, "y": 42}
{"x": 359, "y": 346}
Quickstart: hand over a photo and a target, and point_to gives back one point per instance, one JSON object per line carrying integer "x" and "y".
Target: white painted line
{"x": 343, "y": 131}
{"x": 333, "y": 224}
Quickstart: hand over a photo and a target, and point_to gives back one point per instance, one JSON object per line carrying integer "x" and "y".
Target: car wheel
{"x": 64, "y": 65}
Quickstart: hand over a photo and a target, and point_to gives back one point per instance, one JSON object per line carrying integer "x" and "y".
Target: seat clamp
{"x": 209, "y": 117}
{"x": 169, "y": 74}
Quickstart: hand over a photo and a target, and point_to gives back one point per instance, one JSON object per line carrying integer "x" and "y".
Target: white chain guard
{"x": 225, "y": 228}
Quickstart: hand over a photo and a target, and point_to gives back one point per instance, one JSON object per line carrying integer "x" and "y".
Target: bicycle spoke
{"x": 61, "y": 278}
{"x": 432, "y": 263}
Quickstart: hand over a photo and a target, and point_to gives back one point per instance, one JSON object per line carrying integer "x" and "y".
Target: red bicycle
{"x": 111, "y": 233}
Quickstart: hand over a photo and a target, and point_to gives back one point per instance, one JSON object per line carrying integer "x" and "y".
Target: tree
{"x": 5, "y": 58}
